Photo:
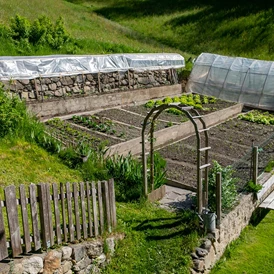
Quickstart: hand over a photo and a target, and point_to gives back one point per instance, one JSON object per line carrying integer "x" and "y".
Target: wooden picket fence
{"x": 54, "y": 216}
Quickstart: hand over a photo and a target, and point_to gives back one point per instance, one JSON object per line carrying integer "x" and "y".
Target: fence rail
{"x": 46, "y": 215}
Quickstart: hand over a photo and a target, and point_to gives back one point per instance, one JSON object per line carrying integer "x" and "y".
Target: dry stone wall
{"x": 40, "y": 89}
{"x": 87, "y": 257}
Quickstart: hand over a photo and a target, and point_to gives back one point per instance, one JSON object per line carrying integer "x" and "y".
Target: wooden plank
{"x": 83, "y": 210}
{"x": 89, "y": 210}
{"x": 268, "y": 184}
{"x": 101, "y": 210}
{"x": 25, "y": 219}
{"x": 94, "y": 205}
{"x": 34, "y": 217}
{"x": 65, "y": 232}
{"x": 69, "y": 205}
{"x": 268, "y": 200}
{"x": 44, "y": 215}
{"x": 3, "y": 241}
{"x": 107, "y": 204}
{"x": 76, "y": 210}
{"x": 12, "y": 213}
{"x": 51, "y": 233}
{"x": 112, "y": 202}
{"x": 56, "y": 214}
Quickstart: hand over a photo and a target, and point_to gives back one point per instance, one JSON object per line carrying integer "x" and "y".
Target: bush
{"x": 229, "y": 192}
{"x": 29, "y": 37}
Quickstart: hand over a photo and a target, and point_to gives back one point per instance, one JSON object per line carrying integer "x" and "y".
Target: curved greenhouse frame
{"x": 236, "y": 79}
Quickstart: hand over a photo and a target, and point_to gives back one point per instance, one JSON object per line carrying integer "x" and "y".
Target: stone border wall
{"x": 48, "y": 88}
{"x": 83, "y": 258}
{"x": 232, "y": 224}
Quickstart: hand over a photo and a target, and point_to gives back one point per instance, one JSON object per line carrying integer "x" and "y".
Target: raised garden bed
{"x": 231, "y": 144}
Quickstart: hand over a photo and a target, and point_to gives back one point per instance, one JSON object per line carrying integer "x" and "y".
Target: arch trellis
{"x": 193, "y": 117}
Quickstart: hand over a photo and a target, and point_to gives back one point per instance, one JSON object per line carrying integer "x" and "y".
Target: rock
{"x": 59, "y": 93}
{"x": 52, "y": 262}
{"x": 66, "y": 266}
{"x": 66, "y": 81}
{"x": 78, "y": 252}
{"x": 94, "y": 249}
{"x": 66, "y": 252}
{"x": 89, "y": 77}
{"x": 101, "y": 259}
{"x": 198, "y": 265}
{"x": 110, "y": 242}
{"x": 194, "y": 255}
{"x": 201, "y": 252}
{"x": 24, "y": 81}
{"x": 18, "y": 269}
{"x": 206, "y": 245}
{"x": 33, "y": 265}
{"x": 52, "y": 86}
{"x": 86, "y": 89}
{"x": 82, "y": 264}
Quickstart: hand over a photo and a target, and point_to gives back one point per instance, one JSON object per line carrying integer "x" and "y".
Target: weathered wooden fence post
{"x": 13, "y": 222}
{"x": 3, "y": 241}
{"x": 44, "y": 215}
{"x": 255, "y": 164}
{"x": 218, "y": 198}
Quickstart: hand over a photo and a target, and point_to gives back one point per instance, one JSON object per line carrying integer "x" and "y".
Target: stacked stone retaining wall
{"x": 83, "y": 258}
{"x": 40, "y": 89}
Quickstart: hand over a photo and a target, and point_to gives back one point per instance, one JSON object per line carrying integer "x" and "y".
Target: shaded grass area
{"x": 241, "y": 28}
{"x": 252, "y": 252}
{"x": 25, "y": 163}
{"x": 156, "y": 241}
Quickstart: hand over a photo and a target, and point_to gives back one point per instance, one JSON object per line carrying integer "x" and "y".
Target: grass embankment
{"x": 252, "y": 253}
{"x": 237, "y": 28}
{"x": 94, "y": 34}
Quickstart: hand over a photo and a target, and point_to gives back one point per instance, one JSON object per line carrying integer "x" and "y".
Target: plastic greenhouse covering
{"x": 235, "y": 79}
{"x": 56, "y": 65}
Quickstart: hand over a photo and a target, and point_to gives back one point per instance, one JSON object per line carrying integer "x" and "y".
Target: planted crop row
{"x": 258, "y": 117}
{"x": 194, "y": 100}
{"x": 73, "y": 137}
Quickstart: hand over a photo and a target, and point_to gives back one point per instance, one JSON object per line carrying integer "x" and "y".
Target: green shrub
{"x": 29, "y": 37}
{"x": 229, "y": 192}
{"x": 127, "y": 173}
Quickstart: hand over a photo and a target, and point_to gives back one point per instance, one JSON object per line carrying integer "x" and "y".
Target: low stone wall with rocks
{"x": 83, "y": 258}
{"x": 214, "y": 245}
{"x": 40, "y": 89}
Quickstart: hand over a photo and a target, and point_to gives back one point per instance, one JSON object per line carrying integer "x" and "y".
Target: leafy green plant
{"x": 159, "y": 170}
{"x": 127, "y": 173}
{"x": 252, "y": 187}
{"x": 259, "y": 117}
{"x": 229, "y": 192}
{"x": 269, "y": 167}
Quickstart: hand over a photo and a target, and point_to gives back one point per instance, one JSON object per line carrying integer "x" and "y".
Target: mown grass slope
{"x": 94, "y": 34}
{"x": 238, "y": 28}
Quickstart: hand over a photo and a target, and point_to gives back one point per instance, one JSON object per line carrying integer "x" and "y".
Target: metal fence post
{"x": 218, "y": 198}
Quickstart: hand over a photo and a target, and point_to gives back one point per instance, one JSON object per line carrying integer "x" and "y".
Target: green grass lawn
{"x": 156, "y": 241}
{"x": 252, "y": 253}
{"x": 25, "y": 163}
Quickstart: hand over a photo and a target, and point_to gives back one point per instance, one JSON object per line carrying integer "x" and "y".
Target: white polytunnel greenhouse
{"x": 30, "y": 67}
{"x": 236, "y": 79}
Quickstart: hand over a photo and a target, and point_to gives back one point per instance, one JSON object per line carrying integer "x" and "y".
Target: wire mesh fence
{"x": 244, "y": 167}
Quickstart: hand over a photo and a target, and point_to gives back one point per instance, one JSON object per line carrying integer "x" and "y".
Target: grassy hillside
{"x": 94, "y": 34}
{"x": 237, "y": 28}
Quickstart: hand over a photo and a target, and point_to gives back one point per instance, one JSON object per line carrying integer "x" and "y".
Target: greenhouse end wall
{"x": 236, "y": 79}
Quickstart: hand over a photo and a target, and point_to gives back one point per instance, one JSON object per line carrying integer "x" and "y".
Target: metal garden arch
{"x": 199, "y": 128}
